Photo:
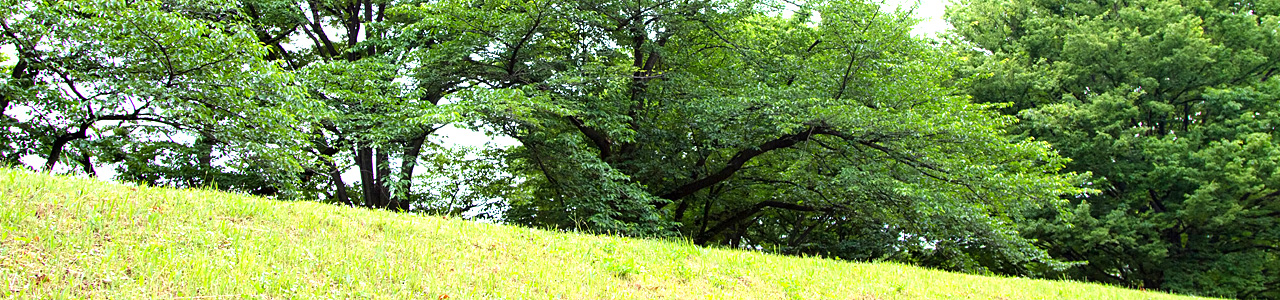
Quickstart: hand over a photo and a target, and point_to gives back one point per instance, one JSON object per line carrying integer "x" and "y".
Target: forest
{"x": 1125, "y": 142}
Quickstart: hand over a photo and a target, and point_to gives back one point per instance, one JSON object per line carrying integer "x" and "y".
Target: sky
{"x": 930, "y": 11}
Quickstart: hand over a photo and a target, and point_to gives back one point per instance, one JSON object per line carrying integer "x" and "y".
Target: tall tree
{"x": 1172, "y": 105}
{"x": 375, "y": 78}
{"x": 94, "y": 79}
{"x": 379, "y": 71}
{"x": 385, "y": 73}
{"x": 823, "y": 128}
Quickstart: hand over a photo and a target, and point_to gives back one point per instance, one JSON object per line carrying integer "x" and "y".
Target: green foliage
{"x": 1172, "y": 106}
{"x": 136, "y": 82}
{"x": 467, "y": 182}
{"x": 823, "y": 130}
{"x": 819, "y": 127}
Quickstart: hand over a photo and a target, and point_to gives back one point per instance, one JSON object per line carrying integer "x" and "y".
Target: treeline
{"x": 1127, "y": 142}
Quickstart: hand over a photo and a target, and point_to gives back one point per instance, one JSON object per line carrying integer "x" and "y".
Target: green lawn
{"x": 80, "y": 238}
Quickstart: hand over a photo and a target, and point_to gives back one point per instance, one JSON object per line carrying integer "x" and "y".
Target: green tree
{"x": 1173, "y": 106}
{"x": 98, "y": 80}
{"x": 332, "y": 88}
{"x": 823, "y": 129}
{"x": 373, "y": 75}
{"x": 383, "y": 70}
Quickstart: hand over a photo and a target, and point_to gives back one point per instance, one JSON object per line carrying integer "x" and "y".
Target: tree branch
{"x": 705, "y": 236}
{"x": 738, "y": 160}
{"x": 524, "y": 40}
{"x": 323, "y": 38}
{"x": 598, "y": 138}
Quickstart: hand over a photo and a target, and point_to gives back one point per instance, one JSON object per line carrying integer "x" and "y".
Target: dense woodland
{"x": 1126, "y": 142}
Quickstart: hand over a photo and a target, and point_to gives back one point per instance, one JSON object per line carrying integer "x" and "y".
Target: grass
{"x": 69, "y": 238}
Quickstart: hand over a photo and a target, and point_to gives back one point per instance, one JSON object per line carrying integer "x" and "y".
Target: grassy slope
{"x": 79, "y": 238}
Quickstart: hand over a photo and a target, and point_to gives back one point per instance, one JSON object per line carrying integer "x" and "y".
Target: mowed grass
{"x": 69, "y": 238}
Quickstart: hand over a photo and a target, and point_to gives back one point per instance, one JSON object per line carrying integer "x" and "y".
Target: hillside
{"x": 80, "y": 238}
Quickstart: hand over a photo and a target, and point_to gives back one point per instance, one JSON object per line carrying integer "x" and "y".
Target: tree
{"x": 382, "y": 75}
{"x": 824, "y": 128}
{"x": 372, "y": 76}
{"x": 1172, "y": 105}
{"x": 800, "y": 127}
{"x": 195, "y": 99}
{"x": 97, "y": 79}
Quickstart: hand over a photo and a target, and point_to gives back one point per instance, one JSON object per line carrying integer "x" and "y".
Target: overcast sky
{"x": 929, "y": 10}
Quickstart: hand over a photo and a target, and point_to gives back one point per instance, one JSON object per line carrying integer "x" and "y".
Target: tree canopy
{"x": 800, "y": 127}
{"x": 1172, "y": 106}
{"x": 115, "y": 82}
{"x": 819, "y": 129}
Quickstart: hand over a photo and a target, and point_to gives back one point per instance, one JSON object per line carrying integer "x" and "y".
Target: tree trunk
{"x": 335, "y": 177}
{"x": 86, "y": 161}
{"x": 56, "y": 151}
{"x": 368, "y": 183}
{"x": 374, "y": 175}
{"x": 679, "y": 214}
{"x": 327, "y": 152}
{"x": 408, "y": 163}
{"x": 382, "y": 177}
{"x": 60, "y": 143}
{"x": 205, "y": 157}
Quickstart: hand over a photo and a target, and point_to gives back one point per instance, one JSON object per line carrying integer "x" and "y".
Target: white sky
{"x": 7, "y": 53}
{"x": 930, "y": 11}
